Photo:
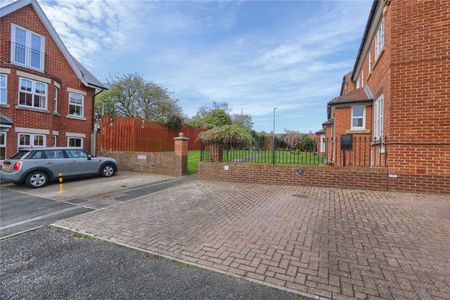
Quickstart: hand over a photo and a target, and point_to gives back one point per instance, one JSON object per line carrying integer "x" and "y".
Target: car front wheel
{"x": 107, "y": 170}
{"x": 36, "y": 179}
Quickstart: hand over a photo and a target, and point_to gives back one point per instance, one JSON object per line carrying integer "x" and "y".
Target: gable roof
{"x": 355, "y": 96}
{"x": 82, "y": 73}
{"x": 346, "y": 79}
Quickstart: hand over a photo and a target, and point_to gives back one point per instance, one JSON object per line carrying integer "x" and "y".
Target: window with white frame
{"x": 2, "y": 145}
{"x": 32, "y": 93}
{"x": 362, "y": 76}
{"x": 55, "y": 98}
{"x": 75, "y": 142}
{"x": 31, "y": 140}
{"x": 322, "y": 143}
{"x": 27, "y": 48}
{"x": 3, "y": 93}
{"x": 76, "y": 105}
{"x": 358, "y": 116}
{"x": 55, "y": 140}
{"x": 379, "y": 39}
{"x": 378, "y": 117}
{"x": 370, "y": 62}
{"x": 358, "y": 84}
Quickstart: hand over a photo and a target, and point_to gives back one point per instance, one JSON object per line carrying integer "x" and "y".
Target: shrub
{"x": 259, "y": 139}
{"x": 307, "y": 144}
{"x": 232, "y": 135}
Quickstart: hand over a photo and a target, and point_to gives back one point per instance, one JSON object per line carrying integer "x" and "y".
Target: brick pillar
{"x": 216, "y": 152}
{"x": 181, "y": 153}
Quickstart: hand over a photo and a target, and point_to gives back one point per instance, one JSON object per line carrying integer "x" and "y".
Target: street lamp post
{"x": 273, "y": 137}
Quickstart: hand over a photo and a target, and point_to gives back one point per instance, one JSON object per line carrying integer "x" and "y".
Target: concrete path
{"x": 333, "y": 243}
{"x": 53, "y": 264}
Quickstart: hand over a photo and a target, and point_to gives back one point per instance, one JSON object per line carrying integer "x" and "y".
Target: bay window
{"x": 32, "y": 93}
{"x": 76, "y": 105}
{"x": 358, "y": 116}
{"x": 27, "y": 48}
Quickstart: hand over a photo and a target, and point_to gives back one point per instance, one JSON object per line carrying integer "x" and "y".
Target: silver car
{"x": 38, "y": 166}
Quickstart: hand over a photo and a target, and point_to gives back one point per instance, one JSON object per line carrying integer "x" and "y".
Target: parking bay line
{"x": 39, "y": 217}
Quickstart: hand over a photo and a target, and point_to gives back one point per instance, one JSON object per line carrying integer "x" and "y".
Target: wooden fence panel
{"x": 131, "y": 134}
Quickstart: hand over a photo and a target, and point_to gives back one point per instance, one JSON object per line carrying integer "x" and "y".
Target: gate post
{"x": 181, "y": 154}
{"x": 216, "y": 151}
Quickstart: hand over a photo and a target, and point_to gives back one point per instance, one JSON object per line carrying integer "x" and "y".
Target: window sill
{"x": 41, "y": 110}
{"x": 55, "y": 113}
{"x": 357, "y": 130}
{"x": 378, "y": 141}
{"x": 4, "y": 105}
{"x": 76, "y": 118}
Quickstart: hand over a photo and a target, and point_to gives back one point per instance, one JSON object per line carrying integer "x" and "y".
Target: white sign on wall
{"x": 142, "y": 157}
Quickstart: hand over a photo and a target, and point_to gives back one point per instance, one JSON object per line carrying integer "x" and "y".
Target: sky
{"x": 253, "y": 55}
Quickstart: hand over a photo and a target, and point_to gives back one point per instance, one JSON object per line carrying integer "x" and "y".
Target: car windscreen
{"x": 20, "y": 154}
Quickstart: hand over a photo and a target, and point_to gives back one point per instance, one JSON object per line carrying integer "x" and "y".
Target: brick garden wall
{"x": 324, "y": 176}
{"x": 167, "y": 163}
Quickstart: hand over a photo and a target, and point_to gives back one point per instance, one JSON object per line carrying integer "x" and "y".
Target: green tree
{"x": 133, "y": 96}
{"x": 218, "y": 114}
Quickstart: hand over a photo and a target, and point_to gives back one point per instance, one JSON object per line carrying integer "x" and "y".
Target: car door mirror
{"x": 89, "y": 157}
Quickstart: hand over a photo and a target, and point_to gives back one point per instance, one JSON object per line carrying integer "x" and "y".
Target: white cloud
{"x": 187, "y": 47}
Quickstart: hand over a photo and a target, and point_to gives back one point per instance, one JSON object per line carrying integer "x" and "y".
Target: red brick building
{"x": 397, "y": 94}
{"x": 46, "y": 95}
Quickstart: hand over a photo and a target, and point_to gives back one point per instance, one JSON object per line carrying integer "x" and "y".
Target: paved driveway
{"x": 88, "y": 187}
{"x": 325, "y": 242}
{"x": 23, "y": 209}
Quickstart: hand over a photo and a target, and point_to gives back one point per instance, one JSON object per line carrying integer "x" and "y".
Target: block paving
{"x": 332, "y": 243}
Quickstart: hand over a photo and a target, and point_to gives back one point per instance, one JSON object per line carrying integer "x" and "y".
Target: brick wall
{"x": 326, "y": 176}
{"x": 420, "y": 85}
{"x": 374, "y": 178}
{"x": 167, "y": 163}
{"x": 57, "y": 70}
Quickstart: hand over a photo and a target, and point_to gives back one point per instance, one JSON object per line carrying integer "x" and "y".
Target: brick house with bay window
{"x": 46, "y": 95}
{"x": 397, "y": 95}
